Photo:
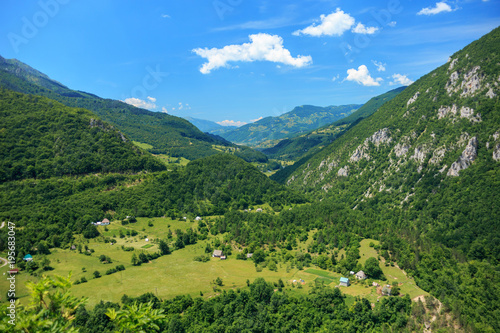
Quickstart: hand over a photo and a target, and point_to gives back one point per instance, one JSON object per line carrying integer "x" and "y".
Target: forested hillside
{"x": 268, "y": 131}
{"x": 167, "y": 134}
{"x": 58, "y": 207}
{"x": 41, "y": 138}
{"x": 430, "y": 159}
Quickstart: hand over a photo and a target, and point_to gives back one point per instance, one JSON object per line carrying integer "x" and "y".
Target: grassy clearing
{"x": 142, "y": 145}
{"x": 178, "y": 274}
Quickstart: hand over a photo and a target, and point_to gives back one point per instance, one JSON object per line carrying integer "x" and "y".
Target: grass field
{"x": 177, "y": 273}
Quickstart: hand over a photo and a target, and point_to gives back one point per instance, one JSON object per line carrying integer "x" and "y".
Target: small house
{"x": 98, "y": 223}
{"x": 217, "y": 254}
{"x": 105, "y": 222}
{"x": 223, "y": 257}
{"x": 375, "y": 284}
{"x": 386, "y": 291}
{"x": 197, "y": 218}
{"x": 351, "y": 272}
{"x": 259, "y": 210}
{"x": 249, "y": 255}
{"x": 28, "y": 257}
{"x": 360, "y": 275}
{"x": 344, "y": 282}
{"x": 73, "y": 247}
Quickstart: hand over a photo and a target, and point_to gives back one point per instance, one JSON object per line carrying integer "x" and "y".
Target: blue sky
{"x": 234, "y": 61}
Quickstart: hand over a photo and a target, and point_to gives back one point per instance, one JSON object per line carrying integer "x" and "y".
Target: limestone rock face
{"x": 496, "y": 153}
{"x": 413, "y": 99}
{"x": 343, "y": 172}
{"x": 401, "y": 149}
{"x": 465, "y": 160}
{"x": 380, "y": 137}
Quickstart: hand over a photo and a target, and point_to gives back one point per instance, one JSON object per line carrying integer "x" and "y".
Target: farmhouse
{"x": 105, "y": 222}
{"x": 360, "y": 275}
{"x": 344, "y": 282}
{"x": 217, "y": 254}
{"x": 28, "y": 257}
{"x": 386, "y": 290}
{"x": 259, "y": 210}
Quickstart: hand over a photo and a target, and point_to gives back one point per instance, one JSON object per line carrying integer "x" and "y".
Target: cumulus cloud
{"x": 263, "y": 47}
{"x": 164, "y": 110}
{"x": 231, "y": 123}
{"x": 380, "y": 65}
{"x": 361, "y": 29}
{"x": 362, "y": 76}
{"x": 334, "y": 24}
{"x": 254, "y": 120}
{"x": 401, "y": 79}
{"x": 149, "y": 104}
{"x": 441, "y": 7}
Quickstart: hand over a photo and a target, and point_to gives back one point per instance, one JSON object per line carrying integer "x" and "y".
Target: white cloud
{"x": 441, "y": 7}
{"x": 164, "y": 110}
{"x": 362, "y": 76}
{"x": 392, "y": 24}
{"x": 334, "y": 24}
{"x": 165, "y": 15}
{"x": 263, "y": 47}
{"x": 152, "y": 99}
{"x": 231, "y": 123}
{"x": 361, "y": 29}
{"x": 380, "y": 65}
{"x": 335, "y": 78}
{"x": 141, "y": 103}
{"x": 401, "y": 79}
{"x": 254, "y": 120}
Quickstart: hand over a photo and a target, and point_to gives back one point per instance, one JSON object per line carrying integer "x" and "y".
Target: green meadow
{"x": 177, "y": 273}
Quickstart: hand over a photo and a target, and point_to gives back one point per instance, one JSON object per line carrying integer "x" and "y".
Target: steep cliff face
{"x": 439, "y": 128}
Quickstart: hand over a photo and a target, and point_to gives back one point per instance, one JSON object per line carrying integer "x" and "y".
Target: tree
{"x": 97, "y": 275}
{"x": 164, "y": 249}
{"x": 219, "y": 282}
{"x": 258, "y": 256}
{"x": 372, "y": 268}
{"x": 135, "y": 260}
{"x": 52, "y": 307}
{"x": 138, "y": 317}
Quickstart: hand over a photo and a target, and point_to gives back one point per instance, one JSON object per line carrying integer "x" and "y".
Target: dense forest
{"x": 53, "y": 209}
{"x": 41, "y": 138}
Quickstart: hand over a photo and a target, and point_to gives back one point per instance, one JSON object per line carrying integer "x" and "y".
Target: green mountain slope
{"x": 62, "y": 206}
{"x": 41, "y": 138}
{"x": 268, "y": 131}
{"x": 167, "y": 134}
{"x": 424, "y": 173}
{"x": 295, "y": 148}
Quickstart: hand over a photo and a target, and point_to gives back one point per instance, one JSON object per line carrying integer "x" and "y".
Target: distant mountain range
{"x": 165, "y": 134}
{"x": 307, "y": 144}
{"x": 268, "y": 131}
{"x": 208, "y": 126}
